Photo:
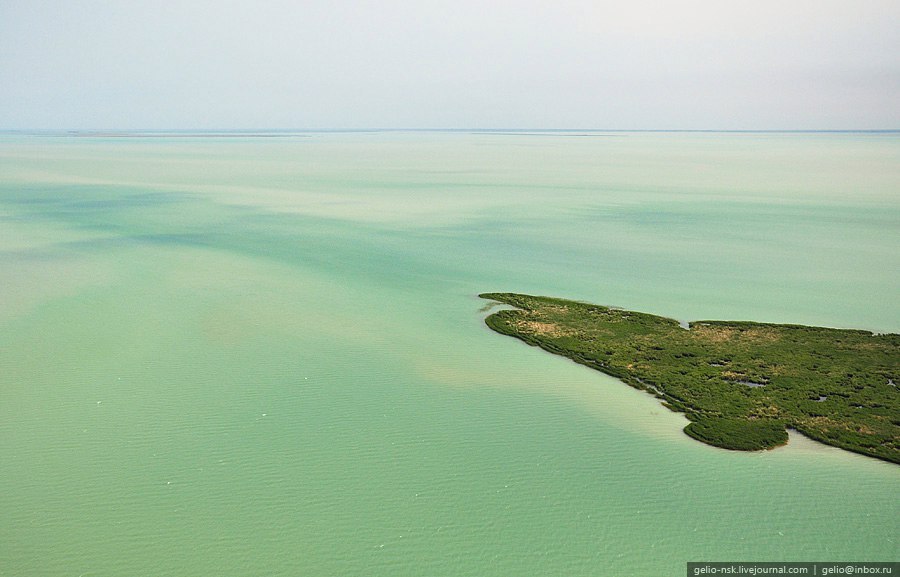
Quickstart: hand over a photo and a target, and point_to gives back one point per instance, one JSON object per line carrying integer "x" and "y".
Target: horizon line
{"x": 291, "y": 131}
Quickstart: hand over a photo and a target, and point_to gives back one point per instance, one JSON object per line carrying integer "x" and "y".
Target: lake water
{"x": 265, "y": 356}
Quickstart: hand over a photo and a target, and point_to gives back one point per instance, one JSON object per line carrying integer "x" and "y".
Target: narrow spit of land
{"x": 741, "y": 384}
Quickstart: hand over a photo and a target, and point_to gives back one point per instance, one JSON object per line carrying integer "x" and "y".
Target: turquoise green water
{"x": 239, "y": 356}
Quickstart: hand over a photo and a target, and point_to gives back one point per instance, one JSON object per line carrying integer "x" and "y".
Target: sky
{"x": 345, "y": 64}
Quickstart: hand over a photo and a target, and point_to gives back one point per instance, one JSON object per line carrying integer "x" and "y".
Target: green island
{"x": 741, "y": 384}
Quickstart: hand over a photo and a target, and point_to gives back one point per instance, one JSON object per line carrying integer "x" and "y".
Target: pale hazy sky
{"x": 679, "y": 64}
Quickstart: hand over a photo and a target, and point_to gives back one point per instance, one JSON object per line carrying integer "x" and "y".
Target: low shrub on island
{"x": 741, "y": 384}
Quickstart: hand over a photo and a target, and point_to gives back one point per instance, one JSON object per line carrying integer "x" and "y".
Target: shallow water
{"x": 264, "y": 356}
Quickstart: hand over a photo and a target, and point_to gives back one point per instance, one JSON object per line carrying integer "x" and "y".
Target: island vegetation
{"x": 741, "y": 384}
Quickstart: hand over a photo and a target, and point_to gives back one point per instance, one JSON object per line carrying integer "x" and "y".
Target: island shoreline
{"x": 756, "y": 408}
